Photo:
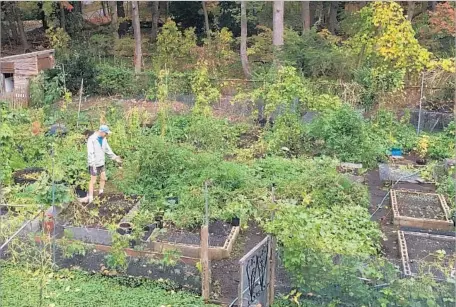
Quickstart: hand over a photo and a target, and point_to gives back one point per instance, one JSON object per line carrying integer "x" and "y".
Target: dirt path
{"x": 226, "y": 272}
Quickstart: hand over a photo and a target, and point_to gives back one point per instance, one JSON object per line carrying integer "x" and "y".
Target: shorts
{"x": 100, "y": 169}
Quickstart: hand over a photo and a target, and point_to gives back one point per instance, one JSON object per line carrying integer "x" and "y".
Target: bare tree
{"x": 277, "y": 23}
{"x": 20, "y": 27}
{"x": 155, "y": 16}
{"x": 114, "y": 19}
{"x": 243, "y": 51}
{"x": 332, "y": 25}
{"x": 305, "y": 15}
{"x": 206, "y": 20}
{"x": 137, "y": 33}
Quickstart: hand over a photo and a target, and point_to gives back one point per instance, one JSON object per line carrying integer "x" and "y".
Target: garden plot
{"x": 222, "y": 236}
{"x": 90, "y": 222}
{"x": 420, "y": 210}
{"x": 15, "y": 224}
{"x": 421, "y": 251}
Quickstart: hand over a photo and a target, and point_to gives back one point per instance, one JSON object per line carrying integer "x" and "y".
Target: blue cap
{"x": 105, "y": 129}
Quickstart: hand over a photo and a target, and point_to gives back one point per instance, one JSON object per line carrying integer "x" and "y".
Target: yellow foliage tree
{"x": 386, "y": 39}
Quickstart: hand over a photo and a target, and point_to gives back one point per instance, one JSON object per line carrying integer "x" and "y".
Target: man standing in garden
{"x": 97, "y": 147}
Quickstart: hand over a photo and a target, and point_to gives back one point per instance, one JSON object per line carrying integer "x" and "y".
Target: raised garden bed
{"x": 222, "y": 236}
{"x": 218, "y": 233}
{"x": 418, "y": 251}
{"x": 420, "y": 210}
{"x": 89, "y": 222}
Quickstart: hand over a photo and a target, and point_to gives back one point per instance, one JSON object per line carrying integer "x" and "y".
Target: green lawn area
{"x": 20, "y": 287}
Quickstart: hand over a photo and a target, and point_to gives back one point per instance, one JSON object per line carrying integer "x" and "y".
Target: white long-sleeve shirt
{"x": 96, "y": 152}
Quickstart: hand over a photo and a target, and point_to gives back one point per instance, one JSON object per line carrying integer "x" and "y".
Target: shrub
{"x": 79, "y": 66}
{"x": 310, "y": 182}
{"x": 115, "y": 80}
{"x": 176, "y": 51}
{"x": 205, "y": 91}
{"x": 47, "y": 87}
{"x": 394, "y": 132}
{"x": 343, "y": 133}
{"x": 286, "y": 137}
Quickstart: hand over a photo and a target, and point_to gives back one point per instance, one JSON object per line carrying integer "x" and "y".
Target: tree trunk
{"x": 42, "y": 15}
{"x": 62, "y": 16}
{"x": 333, "y": 17}
{"x": 312, "y": 8}
{"x": 277, "y": 23}
{"x": 432, "y": 5}
{"x": 305, "y": 15}
{"x": 155, "y": 16}
{"x": 103, "y": 7}
{"x": 410, "y": 10}
{"x": 123, "y": 26}
{"x": 114, "y": 20}
{"x": 362, "y": 4}
{"x": 206, "y": 20}
{"x": 120, "y": 9}
{"x": 20, "y": 27}
{"x": 137, "y": 33}
{"x": 243, "y": 51}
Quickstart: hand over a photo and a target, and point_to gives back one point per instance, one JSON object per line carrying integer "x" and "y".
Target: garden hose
{"x": 379, "y": 206}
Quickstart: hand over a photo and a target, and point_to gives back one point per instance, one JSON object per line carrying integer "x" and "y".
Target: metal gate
{"x": 257, "y": 267}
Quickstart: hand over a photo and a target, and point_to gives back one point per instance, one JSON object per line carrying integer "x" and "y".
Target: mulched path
{"x": 108, "y": 209}
{"x": 218, "y": 233}
{"x": 420, "y": 205}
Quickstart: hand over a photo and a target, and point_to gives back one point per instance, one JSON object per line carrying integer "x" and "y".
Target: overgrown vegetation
{"x": 316, "y": 101}
{"x": 65, "y": 287}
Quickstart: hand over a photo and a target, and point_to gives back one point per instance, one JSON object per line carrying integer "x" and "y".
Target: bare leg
{"x": 102, "y": 181}
{"x": 93, "y": 180}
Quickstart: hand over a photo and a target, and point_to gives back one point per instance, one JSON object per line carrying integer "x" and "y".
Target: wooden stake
{"x": 80, "y": 100}
{"x": 206, "y": 270}
{"x": 205, "y": 265}
{"x": 272, "y": 257}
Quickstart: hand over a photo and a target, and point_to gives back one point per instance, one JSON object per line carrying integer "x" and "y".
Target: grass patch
{"x": 75, "y": 288}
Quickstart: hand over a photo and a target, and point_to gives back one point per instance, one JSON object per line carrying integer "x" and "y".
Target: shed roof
{"x": 43, "y": 53}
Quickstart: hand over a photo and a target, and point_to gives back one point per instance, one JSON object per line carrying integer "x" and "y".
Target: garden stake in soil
{"x": 205, "y": 264}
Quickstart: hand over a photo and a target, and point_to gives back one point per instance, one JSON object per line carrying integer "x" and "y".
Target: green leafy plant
{"x": 206, "y": 93}
{"x": 175, "y": 50}
{"x": 115, "y": 79}
{"x": 70, "y": 247}
{"x": 117, "y": 258}
{"x": 343, "y": 133}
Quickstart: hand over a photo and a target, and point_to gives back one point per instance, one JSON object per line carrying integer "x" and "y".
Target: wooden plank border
{"x": 425, "y": 223}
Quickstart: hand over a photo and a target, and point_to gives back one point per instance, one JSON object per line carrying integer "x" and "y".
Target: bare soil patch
{"x": 420, "y": 205}
{"x": 424, "y": 253}
{"x": 218, "y": 233}
{"x": 108, "y": 209}
{"x": 420, "y": 248}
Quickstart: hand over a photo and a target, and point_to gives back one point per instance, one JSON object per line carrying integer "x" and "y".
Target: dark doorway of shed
{"x": 7, "y": 82}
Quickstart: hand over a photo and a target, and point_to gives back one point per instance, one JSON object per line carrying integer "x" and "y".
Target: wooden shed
{"x": 16, "y": 72}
